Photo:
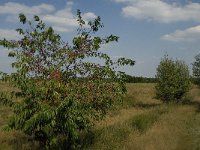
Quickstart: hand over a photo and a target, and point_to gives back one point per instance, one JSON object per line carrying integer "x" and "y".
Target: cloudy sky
{"x": 148, "y": 29}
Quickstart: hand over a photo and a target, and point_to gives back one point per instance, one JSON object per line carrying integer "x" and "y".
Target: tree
{"x": 196, "y": 69}
{"x": 61, "y": 92}
{"x": 173, "y": 80}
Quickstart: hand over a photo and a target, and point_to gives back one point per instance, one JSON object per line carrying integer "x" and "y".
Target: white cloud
{"x": 62, "y": 29}
{"x": 16, "y": 8}
{"x": 9, "y": 34}
{"x": 12, "y": 10}
{"x": 58, "y": 20}
{"x": 62, "y": 20}
{"x": 160, "y": 11}
{"x": 89, "y": 16}
{"x": 188, "y": 35}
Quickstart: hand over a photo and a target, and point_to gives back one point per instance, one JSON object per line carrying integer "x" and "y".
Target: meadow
{"x": 142, "y": 122}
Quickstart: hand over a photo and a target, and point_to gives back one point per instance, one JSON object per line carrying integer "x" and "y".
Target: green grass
{"x": 144, "y": 121}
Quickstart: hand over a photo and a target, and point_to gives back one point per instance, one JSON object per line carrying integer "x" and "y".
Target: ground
{"x": 141, "y": 123}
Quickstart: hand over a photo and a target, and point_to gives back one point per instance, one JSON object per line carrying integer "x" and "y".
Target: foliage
{"x": 173, "y": 80}
{"x": 135, "y": 79}
{"x": 196, "y": 70}
{"x": 61, "y": 91}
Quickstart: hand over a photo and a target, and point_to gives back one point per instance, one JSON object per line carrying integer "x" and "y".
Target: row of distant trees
{"x": 194, "y": 78}
{"x": 140, "y": 79}
{"x": 136, "y": 79}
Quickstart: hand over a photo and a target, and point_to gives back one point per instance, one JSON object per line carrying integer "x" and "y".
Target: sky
{"x": 148, "y": 29}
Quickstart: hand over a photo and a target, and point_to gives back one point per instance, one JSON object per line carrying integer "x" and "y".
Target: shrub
{"x": 173, "y": 80}
{"x": 61, "y": 91}
{"x": 196, "y": 70}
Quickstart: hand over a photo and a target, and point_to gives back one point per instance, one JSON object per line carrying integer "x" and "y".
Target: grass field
{"x": 141, "y": 123}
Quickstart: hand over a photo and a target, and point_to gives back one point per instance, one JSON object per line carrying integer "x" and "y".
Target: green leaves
{"x": 80, "y": 20}
{"x": 196, "y": 69}
{"x": 20, "y": 31}
{"x": 96, "y": 24}
{"x": 36, "y": 18}
{"x": 8, "y": 44}
{"x": 5, "y": 99}
{"x": 173, "y": 80}
{"x": 22, "y": 18}
{"x": 111, "y": 38}
{"x": 11, "y": 54}
{"x": 124, "y": 61}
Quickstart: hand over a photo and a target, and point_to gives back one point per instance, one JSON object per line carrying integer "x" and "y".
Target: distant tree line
{"x": 136, "y": 79}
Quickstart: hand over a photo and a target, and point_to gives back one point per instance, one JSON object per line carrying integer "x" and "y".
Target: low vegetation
{"x": 142, "y": 122}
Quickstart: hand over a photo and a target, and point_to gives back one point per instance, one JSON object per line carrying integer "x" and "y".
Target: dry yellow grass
{"x": 194, "y": 93}
{"x": 120, "y": 117}
{"x": 167, "y": 134}
{"x": 175, "y": 129}
{"x": 142, "y": 92}
{"x": 141, "y": 96}
{"x": 4, "y": 87}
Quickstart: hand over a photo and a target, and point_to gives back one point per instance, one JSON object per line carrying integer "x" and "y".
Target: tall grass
{"x": 144, "y": 121}
{"x": 116, "y": 135}
{"x": 140, "y": 123}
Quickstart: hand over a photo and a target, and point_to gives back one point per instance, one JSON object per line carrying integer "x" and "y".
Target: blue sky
{"x": 148, "y": 29}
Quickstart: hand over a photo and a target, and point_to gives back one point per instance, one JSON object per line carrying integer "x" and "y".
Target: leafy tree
{"x": 196, "y": 70}
{"x": 61, "y": 92}
{"x": 173, "y": 80}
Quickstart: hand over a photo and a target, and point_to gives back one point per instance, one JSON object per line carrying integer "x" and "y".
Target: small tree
{"x": 196, "y": 69}
{"x": 61, "y": 92}
{"x": 173, "y": 80}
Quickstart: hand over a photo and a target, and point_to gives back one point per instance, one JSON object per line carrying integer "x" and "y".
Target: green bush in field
{"x": 196, "y": 70}
{"x": 173, "y": 80}
{"x": 61, "y": 91}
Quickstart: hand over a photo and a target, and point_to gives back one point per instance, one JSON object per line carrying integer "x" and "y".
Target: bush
{"x": 196, "y": 70}
{"x": 62, "y": 93}
{"x": 173, "y": 80}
